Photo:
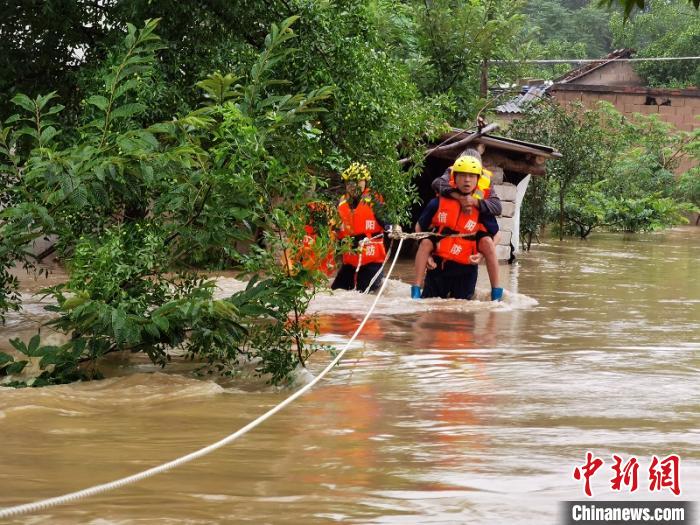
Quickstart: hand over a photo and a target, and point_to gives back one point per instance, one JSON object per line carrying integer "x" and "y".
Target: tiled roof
{"x": 519, "y": 104}
{"x": 497, "y": 142}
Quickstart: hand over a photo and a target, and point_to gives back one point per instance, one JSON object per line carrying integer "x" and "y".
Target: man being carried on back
{"x": 465, "y": 192}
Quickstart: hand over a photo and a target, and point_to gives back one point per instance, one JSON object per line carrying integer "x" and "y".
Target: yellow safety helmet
{"x": 467, "y": 164}
{"x": 356, "y": 171}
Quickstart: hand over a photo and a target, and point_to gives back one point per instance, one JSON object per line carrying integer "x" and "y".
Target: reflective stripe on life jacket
{"x": 361, "y": 221}
{"x": 451, "y": 219}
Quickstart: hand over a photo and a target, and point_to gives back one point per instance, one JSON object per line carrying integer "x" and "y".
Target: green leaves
{"x": 141, "y": 45}
{"x": 48, "y": 134}
{"x": 24, "y": 102}
{"x": 37, "y": 105}
{"x": 134, "y": 204}
{"x": 10, "y": 366}
{"x": 128, "y": 110}
{"x": 615, "y": 173}
{"x": 99, "y": 102}
{"x": 219, "y": 88}
{"x": 631, "y": 5}
{"x": 39, "y": 123}
{"x": 56, "y": 364}
{"x": 13, "y": 368}
{"x": 279, "y": 35}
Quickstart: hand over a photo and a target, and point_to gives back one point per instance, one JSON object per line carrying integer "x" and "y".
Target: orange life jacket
{"x": 451, "y": 217}
{"x": 311, "y": 260}
{"x": 361, "y": 221}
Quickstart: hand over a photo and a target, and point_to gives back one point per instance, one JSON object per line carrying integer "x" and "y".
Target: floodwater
{"x": 443, "y": 412}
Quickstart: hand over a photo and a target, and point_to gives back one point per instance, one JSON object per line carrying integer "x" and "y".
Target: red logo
{"x": 592, "y": 464}
{"x": 626, "y": 475}
{"x": 663, "y": 474}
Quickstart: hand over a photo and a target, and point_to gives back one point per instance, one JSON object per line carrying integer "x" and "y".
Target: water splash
{"x": 395, "y": 301}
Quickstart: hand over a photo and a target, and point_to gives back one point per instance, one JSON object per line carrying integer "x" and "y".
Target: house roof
{"x": 589, "y": 67}
{"x": 508, "y": 144}
{"x": 497, "y": 142}
{"x": 520, "y": 103}
{"x": 510, "y": 154}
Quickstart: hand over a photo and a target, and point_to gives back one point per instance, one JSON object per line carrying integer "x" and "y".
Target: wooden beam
{"x": 493, "y": 142}
{"x": 451, "y": 147}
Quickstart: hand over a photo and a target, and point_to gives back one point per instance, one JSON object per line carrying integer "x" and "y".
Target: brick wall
{"x": 683, "y": 112}
{"x": 506, "y": 192}
{"x": 612, "y": 74}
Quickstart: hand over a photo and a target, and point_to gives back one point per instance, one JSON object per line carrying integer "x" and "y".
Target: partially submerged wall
{"x": 508, "y": 222}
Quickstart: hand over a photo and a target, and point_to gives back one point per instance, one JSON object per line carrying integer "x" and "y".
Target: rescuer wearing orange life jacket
{"x": 480, "y": 198}
{"x": 453, "y": 273}
{"x": 360, "y": 218}
{"x": 313, "y": 255}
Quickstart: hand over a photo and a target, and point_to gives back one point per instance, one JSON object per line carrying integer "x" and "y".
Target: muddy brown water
{"x": 444, "y": 412}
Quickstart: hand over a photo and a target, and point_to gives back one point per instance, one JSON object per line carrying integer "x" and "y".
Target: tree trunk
{"x": 484, "y": 84}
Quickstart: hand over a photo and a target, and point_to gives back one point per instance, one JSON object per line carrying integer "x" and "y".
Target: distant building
{"x": 516, "y": 106}
{"x": 614, "y": 80}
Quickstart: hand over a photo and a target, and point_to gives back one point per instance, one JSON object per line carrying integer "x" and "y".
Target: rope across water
{"x": 97, "y": 489}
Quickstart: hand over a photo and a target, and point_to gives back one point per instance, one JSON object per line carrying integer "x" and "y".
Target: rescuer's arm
{"x": 426, "y": 216}
{"x": 491, "y": 205}
{"x": 441, "y": 185}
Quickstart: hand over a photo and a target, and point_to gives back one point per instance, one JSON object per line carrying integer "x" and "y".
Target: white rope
{"x": 396, "y": 233}
{"x": 73, "y": 496}
{"x": 426, "y": 235}
{"x": 379, "y": 272}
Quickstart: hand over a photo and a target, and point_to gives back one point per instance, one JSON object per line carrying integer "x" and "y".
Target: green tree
{"x": 576, "y": 135}
{"x": 688, "y": 187}
{"x": 535, "y": 212}
{"x": 662, "y": 29}
{"x": 377, "y": 115}
{"x": 616, "y": 173}
{"x": 132, "y": 204}
{"x": 584, "y": 25}
{"x": 61, "y": 43}
{"x": 458, "y": 41}
{"x": 630, "y": 6}
{"x": 133, "y": 201}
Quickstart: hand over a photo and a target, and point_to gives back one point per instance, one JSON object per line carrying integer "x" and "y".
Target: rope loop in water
{"x": 97, "y": 489}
